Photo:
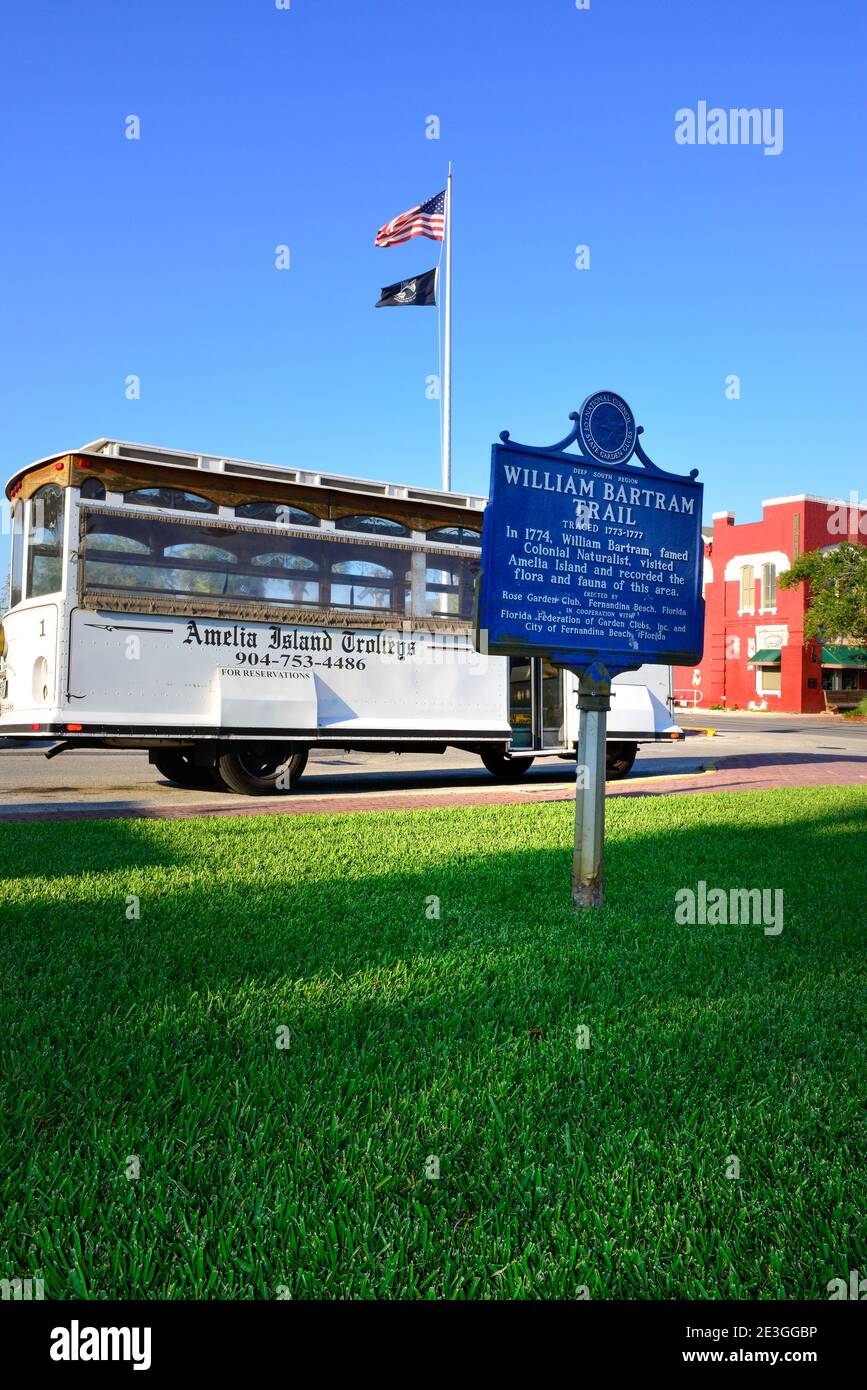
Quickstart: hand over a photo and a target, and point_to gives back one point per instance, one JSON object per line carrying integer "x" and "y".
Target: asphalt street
{"x": 124, "y": 779}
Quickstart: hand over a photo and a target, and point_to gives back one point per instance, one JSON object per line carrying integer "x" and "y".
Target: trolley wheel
{"x": 503, "y": 768}
{"x": 262, "y": 769}
{"x": 177, "y": 765}
{"x": 619, "y": 758}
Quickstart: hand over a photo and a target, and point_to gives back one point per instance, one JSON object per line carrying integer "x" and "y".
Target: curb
{"x": 333, "y": 803}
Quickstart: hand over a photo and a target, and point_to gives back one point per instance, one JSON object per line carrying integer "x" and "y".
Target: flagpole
{"x": 447, "y": 347}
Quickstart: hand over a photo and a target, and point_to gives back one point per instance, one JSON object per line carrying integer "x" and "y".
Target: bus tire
{"x": 262, "y": 769}
{"x": 619, "y": 758}
{"x": 177, "y": 765}
{"x": 503, "y": 768}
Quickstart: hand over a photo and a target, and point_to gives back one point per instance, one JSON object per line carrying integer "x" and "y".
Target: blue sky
{"x": 306, "y": 127}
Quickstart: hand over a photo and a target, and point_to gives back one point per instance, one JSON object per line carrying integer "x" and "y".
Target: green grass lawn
{"x": 303, "y": 1168}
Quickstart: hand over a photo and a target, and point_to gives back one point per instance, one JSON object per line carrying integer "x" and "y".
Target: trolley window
{"x": 282, "y": 578}
{"x": 174, "y": 499}
{"x": 45, "y": 541}
{"x": 280, "y": 513}
{"x": 455, "y": 535}
{"x": 17, "y": 573}
{"x": 151, "y": 556}
{"x": 374, "y": 525}
{"x": 370, "y": 585}
{"x": 443, "y": 591}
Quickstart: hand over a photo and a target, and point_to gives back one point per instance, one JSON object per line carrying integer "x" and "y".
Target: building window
{"x": 770, "y": 680}
{"x": 45, "y": 541}
{"x": 706, "y": 574}
{"x": 748, "y": 592}
{"x": 769, "y": 586}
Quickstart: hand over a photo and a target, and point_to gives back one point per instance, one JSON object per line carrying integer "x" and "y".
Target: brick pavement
{"x": 744, "y": 772}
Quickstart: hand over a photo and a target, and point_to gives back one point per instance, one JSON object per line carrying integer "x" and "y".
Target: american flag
{"x": 428, "y": 219}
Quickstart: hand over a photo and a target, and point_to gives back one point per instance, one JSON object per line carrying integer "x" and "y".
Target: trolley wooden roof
{"x": 122, "y": 466}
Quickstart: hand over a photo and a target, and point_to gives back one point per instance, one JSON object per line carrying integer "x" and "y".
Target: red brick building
{"x": 755, "y": 653}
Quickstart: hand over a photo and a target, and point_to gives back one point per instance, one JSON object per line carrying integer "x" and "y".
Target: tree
{"x": 837, "y": 598}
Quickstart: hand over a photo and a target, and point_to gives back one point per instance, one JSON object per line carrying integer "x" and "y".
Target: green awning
{"x": 768, "y": 656}
{"x": 844, "y": 656}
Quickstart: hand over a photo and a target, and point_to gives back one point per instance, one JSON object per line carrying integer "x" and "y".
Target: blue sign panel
{"x": 588, "y": 560}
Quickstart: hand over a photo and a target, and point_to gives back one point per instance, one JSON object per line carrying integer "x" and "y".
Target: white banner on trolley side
{"x": 197, "y": 672}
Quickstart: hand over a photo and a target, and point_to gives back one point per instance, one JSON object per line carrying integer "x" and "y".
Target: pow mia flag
{"x": 421, "y": 289}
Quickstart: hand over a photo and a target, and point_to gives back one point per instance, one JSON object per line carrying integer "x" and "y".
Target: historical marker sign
{"x": 588, "y": 558}
{"x": 595, "y": 562}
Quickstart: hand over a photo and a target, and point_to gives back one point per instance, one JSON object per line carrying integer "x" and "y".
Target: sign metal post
{"x": 595, "y": 562}
{"x": 588, "y": 859}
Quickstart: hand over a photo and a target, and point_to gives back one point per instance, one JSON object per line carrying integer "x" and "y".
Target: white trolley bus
{"x": 231, "y": 616}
